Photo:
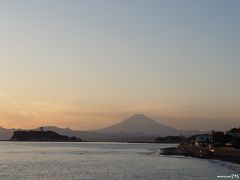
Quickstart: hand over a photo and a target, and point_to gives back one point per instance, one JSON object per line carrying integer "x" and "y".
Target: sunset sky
{"x": 89, "y": 64}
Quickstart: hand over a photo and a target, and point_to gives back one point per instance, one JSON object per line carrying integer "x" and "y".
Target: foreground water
{"x": 38, "y": 160}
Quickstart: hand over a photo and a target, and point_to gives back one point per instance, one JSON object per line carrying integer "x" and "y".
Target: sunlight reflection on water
{"x": 32, "y": 160}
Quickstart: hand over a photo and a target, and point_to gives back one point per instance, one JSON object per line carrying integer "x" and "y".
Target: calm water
{"x": 28, "y": 160}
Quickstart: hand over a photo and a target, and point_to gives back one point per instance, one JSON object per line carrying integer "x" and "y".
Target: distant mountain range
{"x": 138, "y": 128}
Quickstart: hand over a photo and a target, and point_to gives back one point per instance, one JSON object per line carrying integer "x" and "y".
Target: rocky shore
{"x": 220, "y": 153}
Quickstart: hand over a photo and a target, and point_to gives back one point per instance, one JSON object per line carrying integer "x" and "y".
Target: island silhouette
{"x": 42, "y": 136}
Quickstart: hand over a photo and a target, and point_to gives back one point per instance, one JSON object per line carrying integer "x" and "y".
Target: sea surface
{"x": 103, "y": 161}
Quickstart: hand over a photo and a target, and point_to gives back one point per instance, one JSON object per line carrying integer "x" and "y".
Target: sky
{"x": 89, "y": 64}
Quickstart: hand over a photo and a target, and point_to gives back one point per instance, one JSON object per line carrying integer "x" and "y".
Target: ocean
{"x": 103, "y": 161}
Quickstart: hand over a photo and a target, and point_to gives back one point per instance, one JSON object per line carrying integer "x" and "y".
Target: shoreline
{"x": 198, "y": 153}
